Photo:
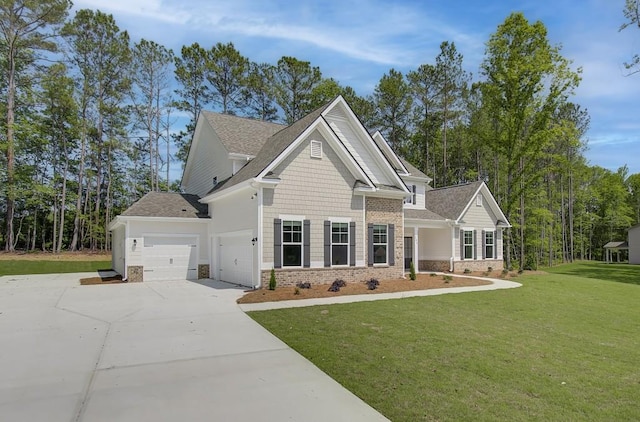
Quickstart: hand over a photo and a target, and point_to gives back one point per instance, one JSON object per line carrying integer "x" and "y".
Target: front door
{"x": 408, "y": 252}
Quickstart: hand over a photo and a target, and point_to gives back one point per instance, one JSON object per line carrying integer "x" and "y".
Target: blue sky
{"x": 357, "y": 41}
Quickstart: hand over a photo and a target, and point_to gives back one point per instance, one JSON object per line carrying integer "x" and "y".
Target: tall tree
{"x": 193, "y": 92}
{"x": 25, "y": 25}
{"x": 258, "y": 97}
{"x": 423, "y": 83}
{"x": 632, "y": 15}
{"x": 151, "y": 98}
{"x": 293, "y": 83}
{"x": 392, "y": 99}
{"x": 227, "y": 73}
{"x": 527, "y": 79}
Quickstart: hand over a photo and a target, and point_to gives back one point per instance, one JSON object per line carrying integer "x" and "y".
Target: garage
{"x": 236, "y": 259}
{"x": 170, "y": 258}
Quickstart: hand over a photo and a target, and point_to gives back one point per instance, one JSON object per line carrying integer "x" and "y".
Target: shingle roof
{"x": 165, "y": 204}
{"x": 421, "y": 214}
{"x": 241, "y": 135}
{"x": 273, "y": 147}
{"x": 617, "y": 245}
{"x": 449, "y": 202}
{"x": 413, "y": 171}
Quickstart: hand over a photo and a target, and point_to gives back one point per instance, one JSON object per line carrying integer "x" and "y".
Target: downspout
{"x": 453, "y": 245}
{"x": 126, "y": 250}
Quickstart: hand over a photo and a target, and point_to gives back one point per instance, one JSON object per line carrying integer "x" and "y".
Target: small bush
{"x": 505, "y": 272}
{"x": 335, "y": 286}
{"x": 296, "y": 291}
{"x": 467, "y": 271}
{"x": 372, "y": 284}
{"x": 306, "y": 285}
{"x": 447, "y": 278}
{"x": 412, "y": 271}
{"x": 489, "y": 269}
{"x": 272, "y": 280}
{"x": 433, "y": 275}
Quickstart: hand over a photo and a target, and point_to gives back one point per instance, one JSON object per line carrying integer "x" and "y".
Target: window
{"x": 340, "y": 243}
{"x": 291, "y": 243}
{"x": 316, "y": 149}
{"x": 489, "y": 244}
{"x": 379, "y": 244}
{"x": 412, "y": 199}
{"x": 468, "y": 244}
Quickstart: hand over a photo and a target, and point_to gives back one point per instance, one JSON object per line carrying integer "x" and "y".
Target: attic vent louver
{"x": 316, "y": 149}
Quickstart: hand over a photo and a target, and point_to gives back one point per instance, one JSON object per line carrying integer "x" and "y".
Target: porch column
{"x": 416, "y": 263}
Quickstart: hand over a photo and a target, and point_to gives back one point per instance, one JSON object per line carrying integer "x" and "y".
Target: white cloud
{"x": 149, "y": 9}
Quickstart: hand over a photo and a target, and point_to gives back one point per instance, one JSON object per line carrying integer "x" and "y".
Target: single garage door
{"x": 170, "y": 258}
{"x": 236, "y": 260}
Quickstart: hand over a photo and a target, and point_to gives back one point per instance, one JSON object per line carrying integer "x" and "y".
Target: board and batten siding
{"x": 479, "y": 218}
{"x": 318, "y": 189}
{"x": 209, "y": 160}
{"x": 359, "y": 150}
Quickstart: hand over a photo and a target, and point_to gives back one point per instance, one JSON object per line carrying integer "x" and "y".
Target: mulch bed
{"x": 422, "y": 282}
{"x": 101, "y": 280}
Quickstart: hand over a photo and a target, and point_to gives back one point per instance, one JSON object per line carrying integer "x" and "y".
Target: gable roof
{"x": 272, "y": 148}
{"x": 166, "y": 204}
{"x": 617, "y": 245}
{"x": 451, "y": 201}
{"x": 413, "y": 171}
{"x": 241, "y": 135}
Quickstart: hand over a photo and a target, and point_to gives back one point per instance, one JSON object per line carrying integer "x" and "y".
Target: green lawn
{"x": 562, "y": 348}
{"x": 15, "y": 267}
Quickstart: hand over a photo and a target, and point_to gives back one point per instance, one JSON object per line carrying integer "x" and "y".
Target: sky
{"x": 357, "y": 41}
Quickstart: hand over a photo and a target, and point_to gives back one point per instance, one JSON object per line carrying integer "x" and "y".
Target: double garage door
{"x": 170, "y": 258}
{"x": 236, "y": 259}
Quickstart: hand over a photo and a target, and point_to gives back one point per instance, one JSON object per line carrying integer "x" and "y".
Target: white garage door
{"x": 236, "y": 260}
{"x": 170, "y": 258}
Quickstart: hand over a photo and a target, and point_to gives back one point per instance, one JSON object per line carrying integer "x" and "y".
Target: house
{"x": 317, "y": 200}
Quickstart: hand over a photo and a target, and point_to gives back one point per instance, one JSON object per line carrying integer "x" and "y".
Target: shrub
{"x": 306, "y": 285}
{"x": 505, "y": 272}
{"x": 335, "y": 286}
{"x": 467, "y": 271}
{"x": 433, "y": 275}
{"x": 412, "y": 271}
{"x": 272, "y": 280}
{"x": 372, "y": 284}
{"x": 447, "y": 278}
{"x": 296, "y": 291}
{"x": 489, "y": 269}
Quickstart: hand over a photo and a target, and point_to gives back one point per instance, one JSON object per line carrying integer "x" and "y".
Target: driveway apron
{"x": 162, "y": 351}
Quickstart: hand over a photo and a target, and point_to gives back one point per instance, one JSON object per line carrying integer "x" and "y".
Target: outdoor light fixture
{"x": 254, "y": 240}
{"x": 135, "y": 242}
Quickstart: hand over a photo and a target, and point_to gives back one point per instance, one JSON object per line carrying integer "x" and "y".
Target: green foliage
{"x": 632, "y": 15}
{"x": 272, "y": 280}
{"x": 412, "y": 271}
{"x": 227, "y": 73}
{"x": 17, "y": 267}
{"x": 293, "y": 82}
{"x": 392, "y": 99}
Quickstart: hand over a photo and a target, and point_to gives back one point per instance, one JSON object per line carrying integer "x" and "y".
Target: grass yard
{"x": 562, "y": 347}
{"x": 43, "y": 263}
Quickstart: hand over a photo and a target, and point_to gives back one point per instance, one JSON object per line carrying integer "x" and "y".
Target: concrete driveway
{"x": 164, "y": 351}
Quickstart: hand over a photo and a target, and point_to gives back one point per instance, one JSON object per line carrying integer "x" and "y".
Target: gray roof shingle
{"x": 421, "y": 214}
{"x": 450, "y": 201}
{"x": 166, "y": 204}
{"x": 413, "y": 171}
{"x": 241, "y": 135}
{"x": 273, "y": 147}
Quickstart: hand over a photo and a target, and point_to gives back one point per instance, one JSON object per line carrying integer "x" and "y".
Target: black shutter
{"x": 475, "y": 249}
{"x": 352, "y": 243}
{"x": 370, "y": 244}
{"x": 306, "y": 243}
{"x": 277, "y": 243}
{"x": 327, "y": 243}
{"x": 484, "y": 245}
{"x": 461, "y": 244}
{"x": 391, "y": 247}
{"x": 413, "y": 198}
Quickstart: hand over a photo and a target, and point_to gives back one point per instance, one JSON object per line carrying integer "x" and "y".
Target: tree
{"x": 293, "y": 83}
{"x": 25, "y": 25}
{"x": 526, "y": 81}
{"x": 150, "y": 77}
{"x": 193, "y": 93}
{"x": 632, "y": 15}
{"x": 393, "y": 106}
{"x": 424, "y": 89}
{"x": 258, "y": 98}
{"x": 227, "y": 73}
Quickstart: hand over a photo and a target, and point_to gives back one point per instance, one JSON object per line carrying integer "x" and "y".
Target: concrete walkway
{"x": 497, "y": 284}
{"x": 164, "y": 351}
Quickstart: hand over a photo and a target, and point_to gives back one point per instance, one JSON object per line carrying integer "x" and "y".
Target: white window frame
{"x": 346, "y": 244}
{"x": 385, "y": 243}
{"x": 465, "y": 244}
{"x": 292, "y": 243}
{"x": 493, "y": 244}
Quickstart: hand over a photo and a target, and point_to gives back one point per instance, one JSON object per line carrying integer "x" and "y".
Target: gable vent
{"x": 316, "y": 149}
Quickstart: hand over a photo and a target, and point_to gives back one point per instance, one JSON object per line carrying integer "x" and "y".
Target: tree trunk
{"x": 63, "y": 200}
{"x": 83, "y": 146}
{"x": 11, "y": 188}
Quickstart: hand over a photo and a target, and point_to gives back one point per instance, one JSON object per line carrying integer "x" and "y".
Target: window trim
{"x": 385, "y": 243}
{"x": 344, "y": 244}
{"x": 291, "y": 243}
{"x": 493, "y": 245}
{"x": 465, "y": 244}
